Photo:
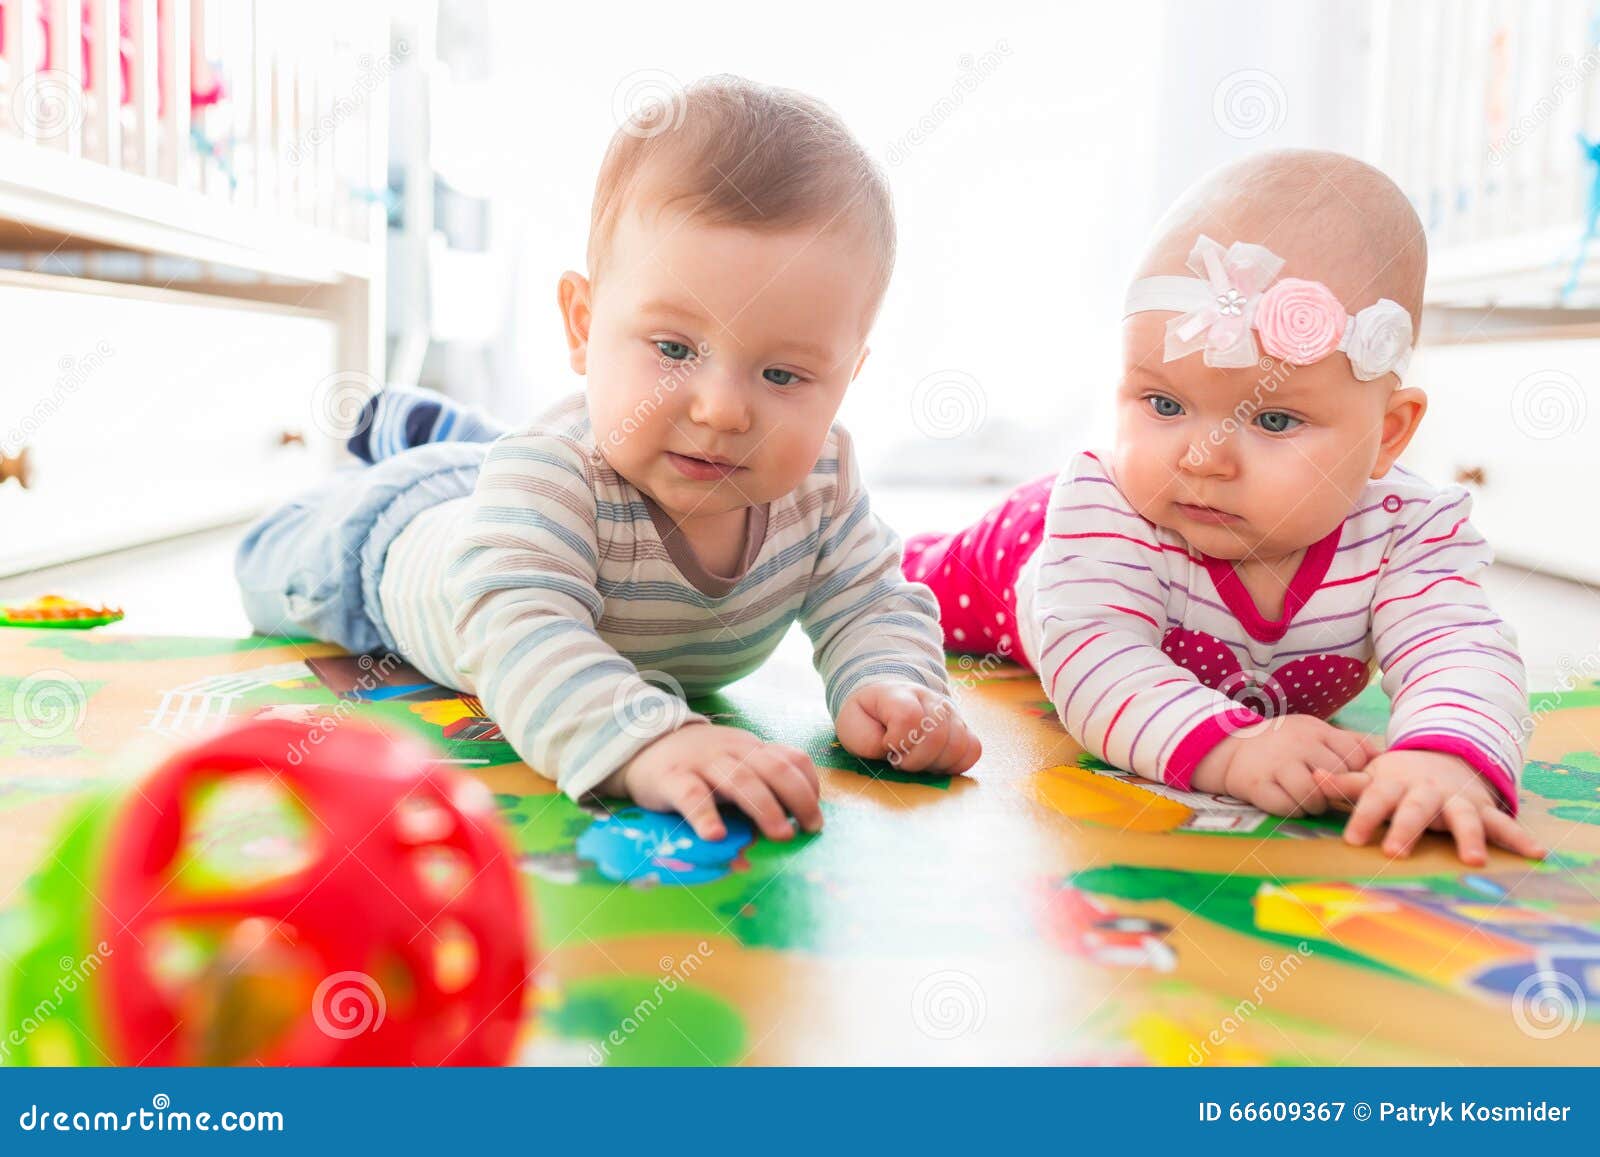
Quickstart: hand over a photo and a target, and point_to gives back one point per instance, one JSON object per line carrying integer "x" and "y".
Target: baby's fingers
{"x": 1377, "y": 803}
{"x": 743, "y": 787}
{"x": 927, "y": 743}
{"x": 1343, "y": 788}
{"x": 1509, "y": 834}
{"x": 1467, "y": 827}
{"x": 1351, "y": 752}
{"x": 905, "y": 731}
{"x": 961, "y": 755}
{"x": 1420, "y": 807}
{"x": 1304, "y": 792}
{"x": 796, "y": 790}
{"x": 692, "y": 797}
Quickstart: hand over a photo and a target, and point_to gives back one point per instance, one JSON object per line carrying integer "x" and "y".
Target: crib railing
{"x": 1483, "y": 111}
{"x": 263, "y": 104}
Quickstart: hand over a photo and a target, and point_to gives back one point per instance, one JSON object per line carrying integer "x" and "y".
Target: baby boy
{"x": 653, "y": 538}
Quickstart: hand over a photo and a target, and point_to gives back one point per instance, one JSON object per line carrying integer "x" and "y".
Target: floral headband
{"x": 1298, "y": 321}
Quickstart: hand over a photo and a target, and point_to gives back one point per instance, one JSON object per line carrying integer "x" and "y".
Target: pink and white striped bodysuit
{"x": 1152, "y": 652}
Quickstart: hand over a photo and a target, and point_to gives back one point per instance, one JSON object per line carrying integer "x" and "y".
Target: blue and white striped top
{"x": 561, "y": 596}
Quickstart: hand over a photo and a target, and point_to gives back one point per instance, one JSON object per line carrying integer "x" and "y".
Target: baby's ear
{"x": 573, "y": 294}
{"x": 1401, "y": 417}
{"x": 861, "y": 361}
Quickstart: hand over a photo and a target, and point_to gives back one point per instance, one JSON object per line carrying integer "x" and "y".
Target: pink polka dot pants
{"x": 973, "y": 572}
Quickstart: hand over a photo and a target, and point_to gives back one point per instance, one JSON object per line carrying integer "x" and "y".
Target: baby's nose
{"x": 720, "y": 403}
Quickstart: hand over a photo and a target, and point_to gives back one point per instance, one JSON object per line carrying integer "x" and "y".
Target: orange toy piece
{"x": 56, "y": 611}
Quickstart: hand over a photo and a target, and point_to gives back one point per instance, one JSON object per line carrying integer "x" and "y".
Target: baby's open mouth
{"x": 702, "y": 469}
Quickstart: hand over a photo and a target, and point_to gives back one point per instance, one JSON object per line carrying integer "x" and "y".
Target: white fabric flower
{"x": 1378, "y": 340}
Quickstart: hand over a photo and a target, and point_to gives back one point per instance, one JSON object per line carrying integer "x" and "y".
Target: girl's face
{"x": 1257, "y": 462}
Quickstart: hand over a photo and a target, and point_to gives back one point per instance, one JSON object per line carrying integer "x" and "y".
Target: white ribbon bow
{"x": 1221, "y": 327}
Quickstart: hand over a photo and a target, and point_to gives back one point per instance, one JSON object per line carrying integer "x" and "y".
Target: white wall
{"x": 1022, "y": 203}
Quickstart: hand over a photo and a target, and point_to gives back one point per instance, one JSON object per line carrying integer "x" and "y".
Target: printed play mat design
{"x": 1045, "y": 909}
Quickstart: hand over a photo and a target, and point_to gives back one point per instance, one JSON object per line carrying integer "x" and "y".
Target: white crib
{"x": 192, "y": 234}
{"x": 1476, "y": 110}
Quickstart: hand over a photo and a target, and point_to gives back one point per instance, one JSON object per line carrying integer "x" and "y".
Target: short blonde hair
{"x": 734, "y": 152}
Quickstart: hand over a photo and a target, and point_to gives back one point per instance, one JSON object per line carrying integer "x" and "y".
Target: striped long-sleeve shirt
{"x": 1153, "y": 653}
{"x": 562, "y": 597}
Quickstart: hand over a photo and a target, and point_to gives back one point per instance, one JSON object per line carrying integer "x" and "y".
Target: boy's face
{"x": 718, "y": 355}
{"x": 1256, "y": 462}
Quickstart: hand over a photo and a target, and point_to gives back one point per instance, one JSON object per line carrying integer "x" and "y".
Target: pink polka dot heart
{"x": 1312, "y": 685}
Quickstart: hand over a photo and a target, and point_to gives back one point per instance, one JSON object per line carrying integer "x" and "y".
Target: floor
{"x": 185, "y": 586}
{"x": 1046, "y": 909}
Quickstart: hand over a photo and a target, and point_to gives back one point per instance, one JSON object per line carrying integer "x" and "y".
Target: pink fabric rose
{"x": 1299, "y": 321}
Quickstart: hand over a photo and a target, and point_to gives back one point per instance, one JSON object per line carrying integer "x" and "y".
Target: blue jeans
{"x": 312, "y": 567}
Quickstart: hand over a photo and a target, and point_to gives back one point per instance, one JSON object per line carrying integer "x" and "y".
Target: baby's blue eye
{"x": 1165, "y": 406}
{"x": 1277, "y": 422}
{"x": 676, "y": 350}
{"x": 781, "y": 377}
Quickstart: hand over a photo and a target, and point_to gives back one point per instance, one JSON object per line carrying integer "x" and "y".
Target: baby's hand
{"x": 1416, "y": 790}
{"x": 912, "y": 727}
{"x": 1273, "y": 765}
{"x": 692, "y": 768}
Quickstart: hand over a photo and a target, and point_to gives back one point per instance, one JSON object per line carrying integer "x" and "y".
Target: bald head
{"x": 1331, "y": 218}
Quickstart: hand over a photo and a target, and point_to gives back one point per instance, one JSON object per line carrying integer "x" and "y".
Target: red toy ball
{"x": 397, "y": 935}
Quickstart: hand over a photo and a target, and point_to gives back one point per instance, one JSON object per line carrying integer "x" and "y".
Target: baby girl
{"x": 1199, "y": 600}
